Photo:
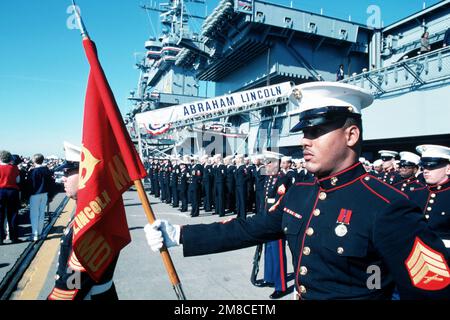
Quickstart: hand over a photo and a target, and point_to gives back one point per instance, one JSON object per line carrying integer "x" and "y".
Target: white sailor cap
{"x": 72, "y": 152}
{"x": 378, "y": 163}
{"x": 195, "y": 157}
{"x": 272, "y": 155}
{"x": 286, "y": 158}
{"x": 362, "y": 159}
{"x": 257, "y": 157}
{"x": 388, "y": 153}
{"x": 239, "y": 156}
{"x": 409, "y": 158}
{"x": 228, "y": 158}
{"x": 324, "y": 102}
{"x": 296, "y": 160}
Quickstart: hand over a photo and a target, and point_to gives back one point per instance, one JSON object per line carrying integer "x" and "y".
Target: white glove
{"x": 162, "y": 232}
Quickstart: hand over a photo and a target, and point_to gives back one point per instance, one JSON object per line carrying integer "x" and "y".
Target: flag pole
{"x": 167, "y": 260}
{"x": 164, "y": 252}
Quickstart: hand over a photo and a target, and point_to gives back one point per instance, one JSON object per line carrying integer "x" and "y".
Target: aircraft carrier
{"x": 244, "y": 45}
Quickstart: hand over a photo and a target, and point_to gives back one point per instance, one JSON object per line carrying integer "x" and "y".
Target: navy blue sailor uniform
{"x": 167, "y": 183}
{"x": 174, "y": 185}
{"x": 435, "y": 204}
{"x": 195, "y": 188}
{"x": 182, "y": 188}
{"x": 241, "y": 191}
{"x": 230, "y": 196}
{"x": 219, "y": 189}
{"x": 275, "y": 268}
{"x": 260, "y": 178}
{"x": 207, "y": 185}
{"x": 348, "y": 225}
{"x": 70, "y": 286}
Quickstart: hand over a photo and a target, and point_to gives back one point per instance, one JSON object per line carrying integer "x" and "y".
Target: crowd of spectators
{"x": 27, "y": 184}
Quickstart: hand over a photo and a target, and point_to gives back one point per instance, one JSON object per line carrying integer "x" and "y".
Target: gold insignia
{"x": 60, "y": 294}
{"x": 87, "y": 166}
{"x": 74, "y": 264}
{"x": 427, "y": 267}
{"x": 334, "y": 180}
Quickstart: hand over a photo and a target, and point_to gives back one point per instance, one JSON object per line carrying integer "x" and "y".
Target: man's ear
{"x": 447, "y": 170}
{"x": 352, "y": 134}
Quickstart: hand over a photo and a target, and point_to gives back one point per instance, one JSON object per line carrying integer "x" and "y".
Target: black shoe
{"x": 1, "y": 242}
{"x": 263, "y": 284}
{"x": 277, "y": 294}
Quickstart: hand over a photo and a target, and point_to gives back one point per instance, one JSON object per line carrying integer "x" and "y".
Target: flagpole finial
{"x": 80, "y": 23}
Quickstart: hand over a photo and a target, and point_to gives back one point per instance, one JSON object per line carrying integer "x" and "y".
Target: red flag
{"x": 109, "y": 165}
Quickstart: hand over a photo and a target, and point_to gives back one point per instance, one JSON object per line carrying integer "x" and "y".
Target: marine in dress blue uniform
{"x": 409, "y": 166}
{"x": 389, "y": 175}
{"x": 342, "y": 224}
{"x": 434, "y": 198}
{"x": 72, "y": 282}
{"x": 250, "y": 197}
{"x": 275, "y": 268}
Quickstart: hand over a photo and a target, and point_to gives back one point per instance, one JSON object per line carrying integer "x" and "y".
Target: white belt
{"x": 97, "y": 289}
{"x": 271, "y": 200}
{"x": 446, "y": 243}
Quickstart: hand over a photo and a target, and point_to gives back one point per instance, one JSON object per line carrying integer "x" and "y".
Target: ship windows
{"x": 312, "y": 27}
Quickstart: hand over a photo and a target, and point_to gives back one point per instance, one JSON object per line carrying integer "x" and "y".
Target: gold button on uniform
{"x": 340, "y": 250}
{"x": 303, "y": 270}
{"x": 439, "y": 187}
{"x": 429, "y": 209}
{"x": 427, "y": 216}
{"x": 433, "y": 195}
{"x": 431, "y": 200}
{"x": 285, "y": 229}
{"x": 367, "y": 178}
{"x": 310, "y": 231}
{"x": 302, "y": 289}
{"x": 306, "y": 251}
{"x": 316, "y": 212}
{"x": 443, "y": 213}
{"x": 322, "y": 196}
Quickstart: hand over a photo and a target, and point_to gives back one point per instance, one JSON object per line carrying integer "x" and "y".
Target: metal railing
{"x": 427, "y": 69}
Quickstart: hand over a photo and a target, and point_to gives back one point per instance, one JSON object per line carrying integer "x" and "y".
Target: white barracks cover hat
{"x": 433, "y": 151}
{"x": 409, "y": 158}
{"x": 324, "y": 102}
{"x": 388, "y": 153}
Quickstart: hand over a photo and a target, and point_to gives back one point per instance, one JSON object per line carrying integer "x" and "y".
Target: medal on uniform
{"x": 341, "y": 230}
{"x": 343, "y": 221}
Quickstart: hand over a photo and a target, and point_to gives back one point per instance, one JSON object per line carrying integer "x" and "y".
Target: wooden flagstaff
{"x": 167, "y": 260}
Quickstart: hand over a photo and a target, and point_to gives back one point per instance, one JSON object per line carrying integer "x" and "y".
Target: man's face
{"x": 271, "y": 167}
{"x": 71, "y": 185}
{"x": 407, "y": 171}
{"x": 285, "y": 165}
{"x": 324, "y": 148}
{"x": 437, "y": 175}
{"x": 378, "y": 168}
{"x": 388, "y": 164}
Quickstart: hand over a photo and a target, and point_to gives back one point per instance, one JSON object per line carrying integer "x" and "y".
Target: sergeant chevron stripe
{"x": 427, "y": 268}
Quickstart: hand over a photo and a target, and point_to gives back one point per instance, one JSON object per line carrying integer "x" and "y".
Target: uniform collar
{"x": 440, "y": 187}
{"x": 343, "y": 177}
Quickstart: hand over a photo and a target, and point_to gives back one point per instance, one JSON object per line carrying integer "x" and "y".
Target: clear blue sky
{"x": 43, "y": 68}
